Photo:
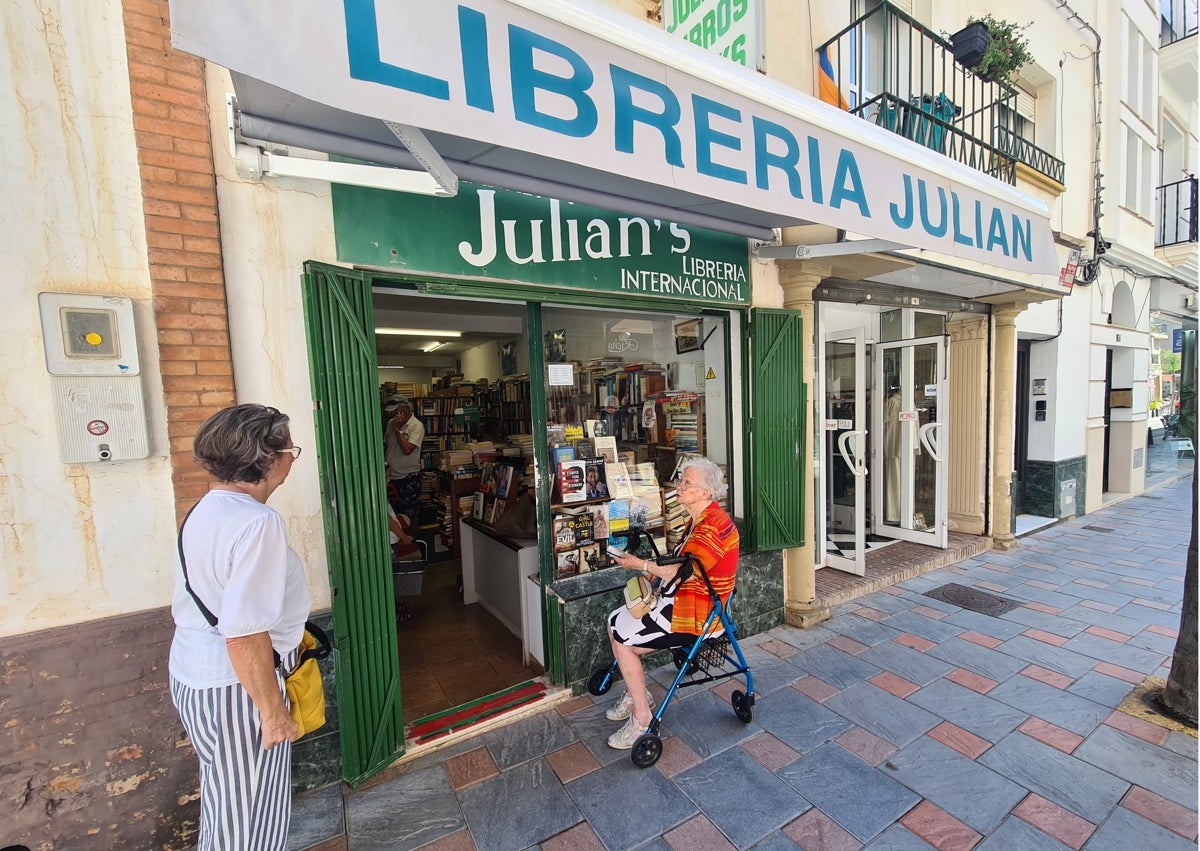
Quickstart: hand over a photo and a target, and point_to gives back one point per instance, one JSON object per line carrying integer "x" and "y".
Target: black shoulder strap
{"x": 208, "y": 616}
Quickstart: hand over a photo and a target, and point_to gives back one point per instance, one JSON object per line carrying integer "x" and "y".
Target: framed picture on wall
{"x": 687, "y": 336}
{"x": 556, "y": 346}
{"x": 508, "y": 358}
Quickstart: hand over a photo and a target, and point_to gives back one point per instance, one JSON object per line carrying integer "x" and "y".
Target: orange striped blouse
{"x": 714, "y": 541}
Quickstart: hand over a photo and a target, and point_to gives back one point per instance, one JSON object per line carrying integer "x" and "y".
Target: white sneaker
{"x": 625, "y": 738}
{"x": 620, "y": 710}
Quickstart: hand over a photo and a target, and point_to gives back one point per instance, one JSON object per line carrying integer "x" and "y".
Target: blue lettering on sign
{"x": 625, "y": 113}
{"x": 959, "y": 237}
{"x": 903, "y": 221}
{"x": 814, "y": 171}
{"x": 1022, "y": 238}
{"x": 528, "y": 80}
{"x": 847, "y": 184}
{"x": 996, "y": 234}
{"x": 939, "y": 229}
{"x": 706, "y": 137}
{"x": 785, "y": 162}
{"x": 362, "y": 46}
{"x": 477, "y": 74}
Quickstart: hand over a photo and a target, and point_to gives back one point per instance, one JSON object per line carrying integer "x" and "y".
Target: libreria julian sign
{"x": 510, "y": 236}
{"x": 577, "y": 85}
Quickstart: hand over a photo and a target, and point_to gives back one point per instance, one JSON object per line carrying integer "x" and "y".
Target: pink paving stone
{"x": 893, "y": 590}
{"x": 676, "y": 757}
{"x": 928, "y": 612}
{"x": 849, "y": 645}
{"x": 1161, "y": 811}
{"x": 1045, "y": 637}
{"x": 1143, "y": 730}
{"x": 1042, "y": 607}
{"x": 871, "y": 614}
{"x": 1091, "y": 583}
{"x": 991, "y": 586}
{"x": 1053, "y": 820}
{"x": 779, "y": 648}
{"x": 866, "y": 746}
{"x": 1152, "y": 604}
{"x": 1100, "y": 607}
{"x": 1120, "y": 673}
{"x": 1110, "y": 634}
{"x": 916, "y": 642}
{"x": 1051, "y": 734}
{"x": 579, "y": 838}
{"x": 940, "y": 829}
{"x": 814, "y": 829}
{"x": 818, "y": 690}
{"x": 575, "y": 705}
{"x": 572, "y": 762}
{"x": 697, "y": 832}
{"x": 963, "y": 741}
{"x": 1045, "y": 586}
{"x": 980, "y": 639}
{"x": 1133, "y": 580}
{"x": 769, "y": 752}
{"x": 1163, "y": 630}
{"x": 971, "y": 680}
{"x": 1050, "y": 678}
{"x": 471, "y": 767}
{"x": 893, "y": 684}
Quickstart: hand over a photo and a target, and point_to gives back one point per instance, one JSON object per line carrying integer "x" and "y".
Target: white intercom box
{"x": 95, "y": 377}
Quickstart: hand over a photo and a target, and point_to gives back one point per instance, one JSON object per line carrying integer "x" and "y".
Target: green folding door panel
{"x": 778, "y": 407}
{"x": 341, "y": 344}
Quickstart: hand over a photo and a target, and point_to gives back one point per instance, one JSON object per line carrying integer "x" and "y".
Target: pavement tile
{"x": 1077, "y": 714}
{"x": 676, "y": 757}
{"x": 1164, "y": 631}
{"x": 1144, "y": 730}
{"x": 1051, "y": 734}
{"x": 768, "y": 677}
{"x": 982, "y": 640}
{"x": 627, "y": 806}
{"x": 815, "y": 830}
{"x": 871, "y": 614}
{"x": 579, "y": 838}
{"x": 1016, "y": 835}
{"x": 991, "y": 586}
{"x": 956, "y": 738}
{"x": 575, "y": 704}
{"x": 315, "y": 816}
{"x": 1102, "y": 689}
{"x": 405, "y": 812}
{"x": 1045, "y": 637}
{"x": 770, "y": 753}
{"x": 1044, "y": 609}
{"x": 1053, "y": 820}
{"x": 1149, "y": 615}
{"x": 572, "y": 761}
{"x": 1127, "y": 830}
{"x": 1160, "y": 770}
{"x": 926, "y": 611}
{"x": 893, "y": 684}
{"x": 863, "y": 630}
{"x": 800, "y": 723}
{"x": 964, "y": 788}
{"x": 899, "y": 838}
{"x": 968, "y": 709}
{"x": 815, "y": 688}
{"x": 1153, "y": 604}
{"x": 1073, "y": 665}
{"x": 593, "y": 729}
{"x": 866, "y": 746}
{"x": 1085, "y": 617}
{"x": 744, "y": 800}
{"x": 518, "y": 808}
{"x": 697, "y": 832}
{"x": 1115, "y": 652}
{"x": 1162, "y": 812}
{"x": 940, "y": 829}
{"x": 777, "y": 841}
{"x": 779, "y": 648}
{"x": 1120, "y": 673}
{"x": 849, "y": 645}
{"x": 931, "y": 629}
{"x": 1110, "y": 634}
{"x": 460, "y": 840}
{"x": 1085, "y": 790}
{"x": 971, "y": 680}
{"x": 1148, "y": 640}
{"x": 835, "y": 667}
{"x": 708, "y": 726}
{"x": 1181, "y": 743}
{"x": 863, "y": 800}
{"x": 527, "y": 739}
{"x": 1032, "y": 594}
{"x": 992, "y": 664}
{"x": 916, "y": 642}
{"x": 882, "y": 714}
{"x": 1058, "y": 624}
{"x": 472, "y": 767}
{"x": 912, "y": 665}
{"x": 1050, "y": 678}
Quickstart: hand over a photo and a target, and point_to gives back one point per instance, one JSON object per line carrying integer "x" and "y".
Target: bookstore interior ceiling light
{"x": 431, "y": 347}
{"x": 634, "y": 326}
{"x": 418, "y": 332}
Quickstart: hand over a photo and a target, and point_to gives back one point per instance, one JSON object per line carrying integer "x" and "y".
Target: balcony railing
{"x": 894, "y": 72}
{"x": 1179, "y": 21}
{"x": 1175, "y": 205}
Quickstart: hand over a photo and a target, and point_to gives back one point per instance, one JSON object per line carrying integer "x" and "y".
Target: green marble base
{"x": 317, "y": 758}
{"x": 1042, "y": 481}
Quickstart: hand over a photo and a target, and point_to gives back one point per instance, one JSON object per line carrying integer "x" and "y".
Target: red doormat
{"x": 441, "y": 724}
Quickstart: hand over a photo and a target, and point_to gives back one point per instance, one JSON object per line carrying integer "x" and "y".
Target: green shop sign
{"x": 500, "y": 235}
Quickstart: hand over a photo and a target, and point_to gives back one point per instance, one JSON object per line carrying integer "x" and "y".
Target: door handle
{"x": 856, "y": 465}
{"x": 934, "y": 449}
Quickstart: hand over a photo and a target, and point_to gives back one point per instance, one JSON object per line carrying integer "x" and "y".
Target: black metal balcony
{"x": 1175, "y": 213}
{"x": 1179, "y": 21}
{"x": 894, "y": 72}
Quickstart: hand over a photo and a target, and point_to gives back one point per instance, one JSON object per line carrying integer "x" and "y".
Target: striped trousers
{"x": 245, "y": 791}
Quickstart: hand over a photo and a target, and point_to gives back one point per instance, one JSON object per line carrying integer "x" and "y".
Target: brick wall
{"x": 170, "y": 121}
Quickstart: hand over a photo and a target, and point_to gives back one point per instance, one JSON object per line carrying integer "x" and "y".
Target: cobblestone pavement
{"x": 904, "y": 722}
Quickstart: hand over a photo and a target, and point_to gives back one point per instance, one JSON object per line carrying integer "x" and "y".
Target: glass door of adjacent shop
{"x": 909, "y": 466}
{"x": 844, "y": 399}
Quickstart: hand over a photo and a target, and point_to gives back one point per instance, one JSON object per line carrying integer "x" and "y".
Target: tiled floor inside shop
{"x": 450, "y": 653}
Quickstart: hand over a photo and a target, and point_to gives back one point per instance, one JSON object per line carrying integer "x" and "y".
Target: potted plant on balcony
{"x": 1007, "y": 51}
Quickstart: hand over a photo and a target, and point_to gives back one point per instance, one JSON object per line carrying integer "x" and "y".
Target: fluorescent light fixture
{"x": 417, "y": 332}
{"x": 431, "y": 347}
{"x": 391, "y": 367}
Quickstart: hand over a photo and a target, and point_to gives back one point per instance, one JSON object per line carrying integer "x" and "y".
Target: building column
{"x": 801, "y": 608}
{"x": 967, "y": 457}
{"x": 1004, "y": 329}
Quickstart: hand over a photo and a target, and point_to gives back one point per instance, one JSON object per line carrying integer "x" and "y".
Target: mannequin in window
{"x": 891, "y": 454}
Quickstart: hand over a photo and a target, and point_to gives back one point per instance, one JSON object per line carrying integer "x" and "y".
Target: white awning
{"x": 580, "y": 101}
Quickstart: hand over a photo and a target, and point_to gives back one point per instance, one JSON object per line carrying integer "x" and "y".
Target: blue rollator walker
{"x": 700, "y": 664}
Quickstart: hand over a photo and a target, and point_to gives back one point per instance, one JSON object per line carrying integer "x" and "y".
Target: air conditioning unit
{"x": 1189, "y": 301}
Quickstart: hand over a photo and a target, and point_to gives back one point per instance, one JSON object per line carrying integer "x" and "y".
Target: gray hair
{"x": 240, "y": 443}
{"x": 711, "y": 476}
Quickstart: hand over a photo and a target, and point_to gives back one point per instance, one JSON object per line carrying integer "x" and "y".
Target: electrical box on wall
{"x": 95, "y": 377}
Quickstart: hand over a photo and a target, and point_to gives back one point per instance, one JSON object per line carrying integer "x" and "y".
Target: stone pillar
{"x": 966, "y": 461}
{"x": 798, "y": 279}
{"x": 1004, "y": 325}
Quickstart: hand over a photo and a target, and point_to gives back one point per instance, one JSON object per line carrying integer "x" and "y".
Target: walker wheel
{"x": 600, "y": 681}
{"x": 743, "y": 706}
{"x": 679, "y": 656}
{"x": 646, "y": 750}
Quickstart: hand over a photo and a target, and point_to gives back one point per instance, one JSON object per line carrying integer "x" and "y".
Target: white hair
{"x": 711, "y": 476}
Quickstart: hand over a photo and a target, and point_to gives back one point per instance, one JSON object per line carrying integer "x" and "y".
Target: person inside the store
{"x": 402, "y": 439}
{"x": 676, "y": 621}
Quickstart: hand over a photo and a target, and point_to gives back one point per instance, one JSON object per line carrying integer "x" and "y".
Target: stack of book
{"x": 643, "y": 485}
{"x": 580, "y": 540}
{"x": 675, "y": 518}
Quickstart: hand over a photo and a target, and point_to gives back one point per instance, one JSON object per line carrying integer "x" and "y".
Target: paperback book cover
{"x": 592, "y": 557}
{"x": 567, "y": 564}
{"x": 617, "y": 477}
{"x": 594, "y": 478}
{"x": 572, "y": 530}
{"x": 571, "y": 482}
{"x": 606, "y": 448}
{"x": 477, "y": 506}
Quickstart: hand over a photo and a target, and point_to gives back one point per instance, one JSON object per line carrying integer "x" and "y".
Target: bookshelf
{"x": 454, "y": 492}
{"x": 679, "y": 427}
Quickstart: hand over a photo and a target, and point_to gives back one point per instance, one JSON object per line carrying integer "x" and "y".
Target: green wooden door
{"x": 778, "y": 410}
{"x": 341, "y": 345}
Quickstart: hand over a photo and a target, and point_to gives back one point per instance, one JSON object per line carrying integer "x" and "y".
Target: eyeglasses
{"x": 686, "y": 485}
{"x": 294, "y": 451}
